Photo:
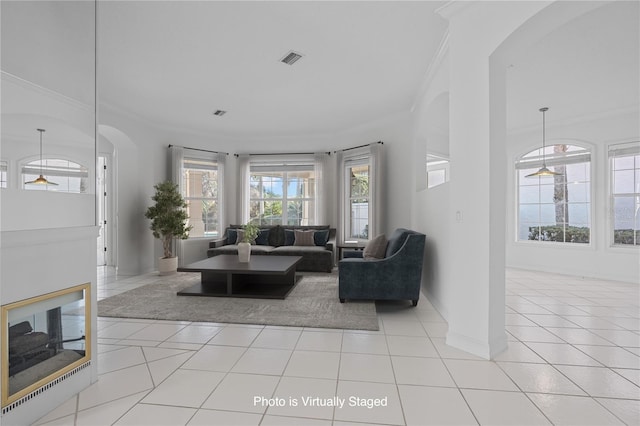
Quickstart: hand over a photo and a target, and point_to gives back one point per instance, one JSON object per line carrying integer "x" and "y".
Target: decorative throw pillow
{"x": 232, "y": 235}
{"x": 263, "y": 237}
{"x": 376, "y": 248}
{"x": 289, "y": 237}
{"x": 320, "y": 238}
{"x": 240, "y": 233}
{"x": 303, "y": 238}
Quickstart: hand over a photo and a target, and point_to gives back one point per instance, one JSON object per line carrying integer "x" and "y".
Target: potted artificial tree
{"x": 249, "y": 234}
{"x": 168, "y": 221}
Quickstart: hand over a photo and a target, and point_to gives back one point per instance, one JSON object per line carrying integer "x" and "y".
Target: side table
{"x": 349, "y": 246}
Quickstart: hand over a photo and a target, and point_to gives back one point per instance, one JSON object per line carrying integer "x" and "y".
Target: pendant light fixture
{"x": 41, "y": 180}
{"x": 544, "y": 171}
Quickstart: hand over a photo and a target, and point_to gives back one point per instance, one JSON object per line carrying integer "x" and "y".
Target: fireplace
{"x": 44, "y": 339}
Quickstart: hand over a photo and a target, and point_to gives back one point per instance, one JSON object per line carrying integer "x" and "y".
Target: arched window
{"x": 68, "y": 175}
{"x": 555, "y": 208}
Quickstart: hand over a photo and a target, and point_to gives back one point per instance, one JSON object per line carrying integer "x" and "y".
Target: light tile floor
{"x": 573, "y": 358}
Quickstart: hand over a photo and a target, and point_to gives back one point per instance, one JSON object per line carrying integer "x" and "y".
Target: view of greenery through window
{"x": 200, "y": 186}
{"x": 555, "y": 208}
{"x": 625, "y": 194}
{"x": 282, "y": 196}
{"x": 70, "y": 176}
{"x": 359, "y": 201}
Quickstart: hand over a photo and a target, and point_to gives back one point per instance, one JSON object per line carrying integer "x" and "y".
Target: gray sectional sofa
{"x": 280, "y": 240}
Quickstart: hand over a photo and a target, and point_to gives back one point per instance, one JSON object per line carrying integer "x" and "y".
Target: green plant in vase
{"x": 168, "y": 221}
{"x": 250, "y": 232}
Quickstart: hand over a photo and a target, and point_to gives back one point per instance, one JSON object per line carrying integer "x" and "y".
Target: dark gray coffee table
{"x": 264, "y": 277}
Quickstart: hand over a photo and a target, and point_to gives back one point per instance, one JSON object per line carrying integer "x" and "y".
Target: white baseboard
{"x": 486, "y": 350}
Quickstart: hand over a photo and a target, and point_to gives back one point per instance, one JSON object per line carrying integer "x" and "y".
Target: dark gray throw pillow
{"x": 232, "y": 235}
{"x": 263, "y": 238}
{"x": 289, "y": 237}
{"x": 320, "y": 238}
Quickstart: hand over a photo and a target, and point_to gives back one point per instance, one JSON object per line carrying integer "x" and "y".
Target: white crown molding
{"x": 434, "y": 66}
{"x": 214, "y": 135}
{"x": 52, "y": 94}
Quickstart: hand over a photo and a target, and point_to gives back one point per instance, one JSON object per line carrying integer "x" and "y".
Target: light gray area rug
{"x": 312, "y": 303}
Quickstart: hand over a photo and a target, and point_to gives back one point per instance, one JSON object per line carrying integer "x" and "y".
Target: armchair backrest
{"x": 409, "y": 255}
{"x": 396, "y": 240}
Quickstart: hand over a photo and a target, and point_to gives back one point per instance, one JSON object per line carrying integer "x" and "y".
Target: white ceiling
{"x": 174, "y": 63}
{"x": 588, "y": 68}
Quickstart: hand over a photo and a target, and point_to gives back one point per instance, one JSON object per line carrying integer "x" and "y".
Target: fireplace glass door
{"x": 43, "y": 338}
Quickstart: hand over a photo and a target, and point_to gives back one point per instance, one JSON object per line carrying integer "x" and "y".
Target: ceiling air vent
{"x": 291, "y": 58}
{"x": 219, "y": 112}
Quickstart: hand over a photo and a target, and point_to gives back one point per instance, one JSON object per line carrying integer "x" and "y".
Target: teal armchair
{"x": 396, "y": 277}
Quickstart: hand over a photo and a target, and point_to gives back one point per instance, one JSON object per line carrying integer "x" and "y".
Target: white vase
{"x": 244, "y": 252}
{"x": 168, "y": 265}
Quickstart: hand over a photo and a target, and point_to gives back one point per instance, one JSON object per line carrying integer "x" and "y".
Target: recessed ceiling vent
{"x": 219, "y": 112}
{"x": 291, "y": 58}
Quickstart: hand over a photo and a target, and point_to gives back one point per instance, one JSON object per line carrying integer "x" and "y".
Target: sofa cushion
{"x": 263, "y": 238}
{"x": 303, "y": 238}
{"x": 376, "y": 248}
{"x": 320, "y": 238}
{"x": 299, "y": 250}
{"x": 396, "y": 240}
{"x": 233, "y": 249}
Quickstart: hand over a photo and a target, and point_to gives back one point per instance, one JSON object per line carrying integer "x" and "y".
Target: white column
{"x": 477, "y": 211}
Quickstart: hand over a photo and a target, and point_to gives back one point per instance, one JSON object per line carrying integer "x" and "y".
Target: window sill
{"x": 556, "y": 244}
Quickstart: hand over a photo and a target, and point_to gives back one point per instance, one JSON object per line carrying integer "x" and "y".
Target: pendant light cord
{"x": 544, "y": 145}
{"x": 41, "y": 131}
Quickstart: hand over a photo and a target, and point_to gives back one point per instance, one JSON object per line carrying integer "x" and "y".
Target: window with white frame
{"x": 63, "y": 175}
{"x": 3, "y": 174}
{"x": 624, "y": 163}
{"x": 555, "y": 208}
{"x": 201, "y": 179}
{"x": 357, "y": 173}
{"x": 282, "y": 193}
{"x": 437, "y": 170}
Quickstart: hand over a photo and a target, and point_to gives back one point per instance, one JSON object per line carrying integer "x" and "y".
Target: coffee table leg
{"x": 290, "y": 277}
{"x": 229, "y": 283}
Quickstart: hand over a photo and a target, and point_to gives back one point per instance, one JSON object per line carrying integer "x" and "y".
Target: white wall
{"x": 396, "y": 132}
{"x": 141, "y": 161}
{"x": 431, "y": 205}
{"x": 445, "y": 282}
{"x": 51, "y": 44}
{"x": 47, "y": 239}
{"x": 598, "y": 259}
